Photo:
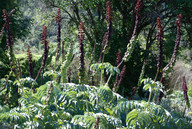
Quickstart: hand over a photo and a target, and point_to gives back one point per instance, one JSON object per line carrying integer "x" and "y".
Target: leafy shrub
{"x": 78, "y": 106}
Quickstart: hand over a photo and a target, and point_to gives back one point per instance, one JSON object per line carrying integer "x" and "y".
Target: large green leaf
{"x": 105, "y": 121}
{"x": 138, "y": 118}
{"x": 105, "y": 95}
{"x": 123, "y": 108}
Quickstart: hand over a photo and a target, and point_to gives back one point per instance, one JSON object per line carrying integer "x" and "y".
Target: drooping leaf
{"x": 138, "y": 118}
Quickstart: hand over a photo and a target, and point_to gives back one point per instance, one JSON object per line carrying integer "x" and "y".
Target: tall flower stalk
{"x": 58, "y": 21}
{"x": 9, "y": 36}
{"x": 81, "y": 74}
{"x": 29, "y": 60}
{"x": 131, "y": 44}
{"x": 107, "y": 35}
{"x": 159, "y": 38}
{"x": 81, "y": 37}
{"x": 178, "y": 38}
{"x": 10, "y": 41}
{"x": 167, "y": 67}
{"x": 46, "y": 50}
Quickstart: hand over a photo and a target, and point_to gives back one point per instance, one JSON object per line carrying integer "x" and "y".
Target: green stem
{"x": 150, "y": 97}
{"x": 154, "y": 97}
{"x": 101, "y": 81}
{"x": 108, "y": 80}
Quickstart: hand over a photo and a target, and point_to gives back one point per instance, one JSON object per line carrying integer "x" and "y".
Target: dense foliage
{"x": 69, "y": 105}
{"x": 95, "y": 65}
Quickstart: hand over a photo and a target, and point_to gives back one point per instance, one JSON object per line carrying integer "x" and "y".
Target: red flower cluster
{"x": 29, "y": 60}
{"x": 178, "y": 38}
{"x": 46, "y": 49}
{"x": 178, "y": 22}
{"x": 58, "y": 16}
{"x": 159, "y": 38}
{"x": 29, "y": 55}
{"x": 7, "y": 22}
{"x": 109, "y": 12}
{"x": 44, "y": 35}
{"x": 81, "y": 35}
{"x": 118, "y": 60}
{"x": 4, "y": 14}
{"x": 159, "y": 35}
{"x": 122, "y": 75}
{"x": 138, "y": 7}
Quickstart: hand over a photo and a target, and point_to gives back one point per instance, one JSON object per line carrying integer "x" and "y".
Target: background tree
{"x": 92, "y": 13}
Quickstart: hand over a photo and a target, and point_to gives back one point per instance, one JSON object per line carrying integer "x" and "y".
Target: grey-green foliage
{"x": 67, "y": 125}
{"x": 152, "y": 86}
{"x": 105, "y": 66}
{"x": 14, "y": 116}
{"x": 50, "y": 75}
{"x": 66, "y": 63}
{"x": 175, "y": 104}
{"x": 67, "y": 109}
{"x": 105, "y": 95}
{"x": 141, "y": 119}
{"x": 105, "y": 121}
{"x": 124, "y": 107}
{"x": 26, "y": 82}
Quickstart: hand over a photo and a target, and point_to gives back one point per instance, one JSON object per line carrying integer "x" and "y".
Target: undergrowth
{"x": 77, "y": 106}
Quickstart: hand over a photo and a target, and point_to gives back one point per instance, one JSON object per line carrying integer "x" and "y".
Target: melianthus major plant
{"x": 64, "y": 105}
{"x": 57, "y": 104}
